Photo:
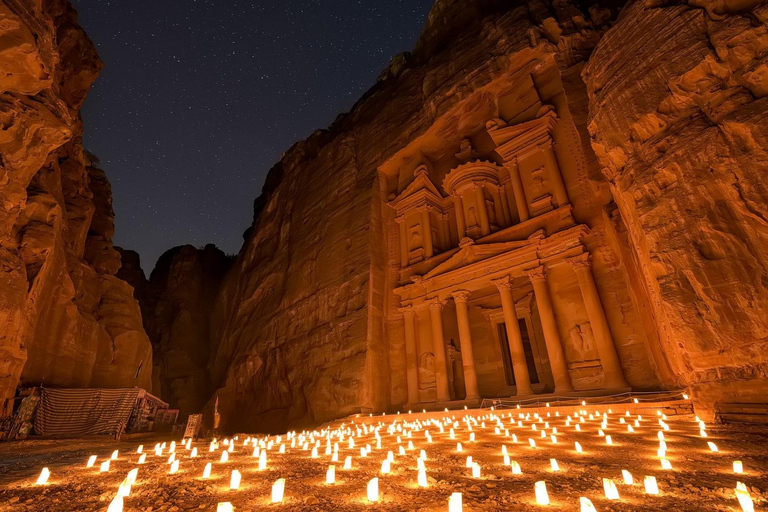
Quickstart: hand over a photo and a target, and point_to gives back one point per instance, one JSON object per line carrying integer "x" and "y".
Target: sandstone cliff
{"x": 678, "y": 119}
{"x": 299, "y": 320}
{"x": 176, "y": 303}
{"x": 668, "y": 112}
{"x": 65, "y": 319}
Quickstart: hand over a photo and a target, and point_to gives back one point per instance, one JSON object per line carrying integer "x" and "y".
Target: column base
{"x": 469, "y": 403}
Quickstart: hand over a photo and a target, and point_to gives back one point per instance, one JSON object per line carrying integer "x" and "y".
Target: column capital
{"x": 581, "y": 261}
{"x": 407, "y": 310}
{"x": 548, "y": 144}
{"x": 436, "y": 303}
{"x": 536, "y": 273}
{"x": 461, "y": 295}
{"x": 503, "y": 283}
{"x": 425, "y": 208}
{"x": 400, "y": 219}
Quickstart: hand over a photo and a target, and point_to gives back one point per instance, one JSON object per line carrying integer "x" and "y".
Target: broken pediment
{"x": 519, "y": 139}
{"x": 420, "y": 191}
{"x": 470, "y": 252}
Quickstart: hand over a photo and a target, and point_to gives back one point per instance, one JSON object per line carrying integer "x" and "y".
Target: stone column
{"x": 517, "y": 188}
{"x": 606, "y": 348}
{"x": 465, "y": 338}
{"x": 550, "y": 159}
{"x": 514, "y": 338}
{"x": 501, "y": 191}
{"x": 404, "y": 259}
{"x": 461, "y": 223}
{"x": 411, "y": 356}
{"x": 501, "y": 221}
{"x": 426, "y": 227}
{"x": 485, "y": 225}
{"x": 555, "y": 351}
{"x": 445, "y": 232}
{"x": 438, "y": 347}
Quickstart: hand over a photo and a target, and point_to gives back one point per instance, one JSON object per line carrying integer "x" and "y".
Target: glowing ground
{"x": 699, "y": 479}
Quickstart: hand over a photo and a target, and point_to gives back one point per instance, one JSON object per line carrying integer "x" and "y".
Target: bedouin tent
{"x": 80, "y": 412}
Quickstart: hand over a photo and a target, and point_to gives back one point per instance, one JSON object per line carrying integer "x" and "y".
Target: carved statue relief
{"x": 490, "y": 208}
{"x": 582, "y": 346}
{"x": 416, "y": 240}
{"x": 472, "y": 217}
{"x": 539, "y": 181}
{"x": 427, "y": 370}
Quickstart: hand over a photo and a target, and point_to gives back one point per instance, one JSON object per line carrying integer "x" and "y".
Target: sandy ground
{"x": 699, "y": 479}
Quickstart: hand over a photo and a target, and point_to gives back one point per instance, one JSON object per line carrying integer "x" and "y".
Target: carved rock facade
{"x": 65, "y": 319}
{"x": 541, "y": 198}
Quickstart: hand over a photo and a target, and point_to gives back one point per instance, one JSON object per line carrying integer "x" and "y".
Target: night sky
{"x": 199, "y": 98}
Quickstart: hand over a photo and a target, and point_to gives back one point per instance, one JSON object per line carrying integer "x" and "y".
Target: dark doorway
{"x": 506, "y": 357}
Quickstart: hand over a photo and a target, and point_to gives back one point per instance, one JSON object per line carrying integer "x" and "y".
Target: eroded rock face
{"x": 661, "y": 143}
{"x": 678, "y": 123}
{"x": 176, "y": 303}
{"x": 65, "y": 319}
{"x": 306, "y": 322}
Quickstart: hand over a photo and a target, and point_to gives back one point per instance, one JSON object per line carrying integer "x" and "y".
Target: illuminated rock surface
{"x": 65, "y": 319}
{"x": 657, "y": 122}
{"x": 175, "y": 304}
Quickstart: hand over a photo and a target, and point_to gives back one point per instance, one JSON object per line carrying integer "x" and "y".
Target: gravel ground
{"x": 699, "y": 479}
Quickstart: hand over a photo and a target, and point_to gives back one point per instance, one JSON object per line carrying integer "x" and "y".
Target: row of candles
{"x": 405, "y": 428}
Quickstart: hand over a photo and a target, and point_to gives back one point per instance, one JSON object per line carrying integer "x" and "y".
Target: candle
{"x": 278, "y": 490}
{"x": 665, "y": 464}
{"x": 234, "y": 480}
{"x": 610, "y": 489}
{"x": 116, "y": 505}
{"x": 142, "y": 458}
{"x": 553, "y": 463}
{"x": 91, "y": 461}
{"x": 263, "y": 460}
{"x": 224, "y": 507}
{"x": 628, "y": 480}
{"x": 454, "y": 502}
{"x": 738, "y": 467}
{"x": 43, "y": 478}
{"x": 104, "y": 466}
{"x": 348, "y": 462}
{"x": 650, "y": 485}
{"x": 422, "y": 478}
{"x": 174, "y": 467}
{"x": 586, "y": 505}
{"x": 373, "y": 490}
{"x": 540, "y": 488}
{"x": 712, "y": 446}
{"x": 515, "y": 468}
{"x": 745, "y": 500}
{"x": 330, "y": 474}
{"x": 207, "y": 471}
{"x": 224, "y": 456}
{"x": 475, "y": 470}
{"x": 385, "y": 466}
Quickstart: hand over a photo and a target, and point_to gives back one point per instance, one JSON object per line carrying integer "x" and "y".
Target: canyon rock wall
{"x": 300, "y": 322}
{"x": 176, "y": 303}
{"x": 668, "y": 105}
{"x": 65, "y": 319}
{"x": 678, "y": 112}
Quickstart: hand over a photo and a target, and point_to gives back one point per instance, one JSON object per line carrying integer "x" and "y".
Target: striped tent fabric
{"x": 80, "y": 412}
